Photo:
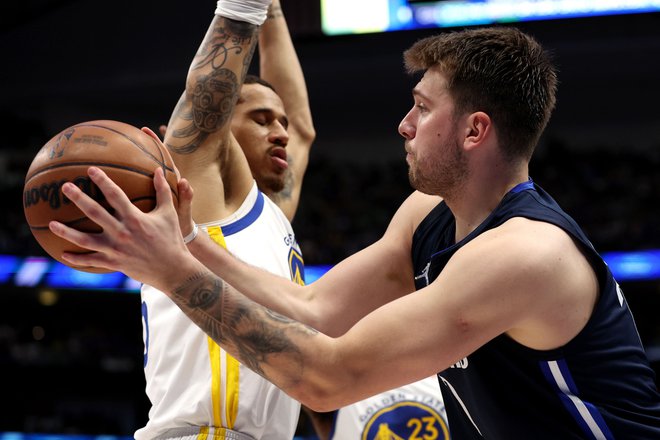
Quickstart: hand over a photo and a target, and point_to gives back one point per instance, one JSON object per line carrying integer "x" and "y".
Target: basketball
{"x": 125, "y": 153}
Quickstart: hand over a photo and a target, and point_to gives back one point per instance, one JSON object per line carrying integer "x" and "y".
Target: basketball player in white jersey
{"x": 197, "y": 390}
{"x": 272, "y": 120}
{"x": 411, "y": 411}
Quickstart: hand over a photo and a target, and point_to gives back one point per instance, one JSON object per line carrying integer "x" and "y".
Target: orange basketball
{"x": 126, "y": 154}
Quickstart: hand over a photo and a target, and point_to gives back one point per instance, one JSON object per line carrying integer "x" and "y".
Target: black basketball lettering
{"x": 124, "y": 152}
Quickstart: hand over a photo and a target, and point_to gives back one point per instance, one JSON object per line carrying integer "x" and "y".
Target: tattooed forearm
{"x": 207, "y": 105}
{"x": 201, "y": 291}
{"x": 248, "y": 59}
{"x": 247, "y": 330}
{"x": 295, "y": 325}
{"x": 226, "y": 37}
{"x": 213, "y": 84}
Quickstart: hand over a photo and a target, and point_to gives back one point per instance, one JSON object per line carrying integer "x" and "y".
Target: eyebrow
{"x": 417, "y": 92}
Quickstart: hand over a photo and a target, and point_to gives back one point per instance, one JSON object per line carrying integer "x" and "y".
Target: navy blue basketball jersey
{"x": 598, "y": 386}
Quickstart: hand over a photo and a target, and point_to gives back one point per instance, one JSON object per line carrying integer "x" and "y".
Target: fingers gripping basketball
{"x": 126, "y": 154}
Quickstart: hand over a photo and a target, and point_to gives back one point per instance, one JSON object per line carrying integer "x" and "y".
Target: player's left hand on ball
{"x": 132, "y": 241}
{"x": 184, "y": 209}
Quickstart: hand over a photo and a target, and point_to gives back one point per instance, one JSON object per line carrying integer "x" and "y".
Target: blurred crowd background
{"x": 71, "y": 360}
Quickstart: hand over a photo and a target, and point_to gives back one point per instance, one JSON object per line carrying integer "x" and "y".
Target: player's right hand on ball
{"x": 143, "y": 245}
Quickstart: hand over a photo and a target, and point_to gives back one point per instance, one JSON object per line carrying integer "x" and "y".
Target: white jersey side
{"x": 411, "y": 411}
{"x": 191, "y": 381}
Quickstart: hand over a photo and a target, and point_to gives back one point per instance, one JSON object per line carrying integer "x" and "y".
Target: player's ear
{"x": 478, "y": 127}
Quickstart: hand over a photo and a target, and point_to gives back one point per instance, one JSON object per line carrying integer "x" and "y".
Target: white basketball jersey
{"x": 414, "y": 411}
{"x": 191, "y": 381}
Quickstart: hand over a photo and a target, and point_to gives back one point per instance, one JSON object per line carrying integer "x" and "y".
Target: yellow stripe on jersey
{"x": 232, "y": 377}
{"x": 203, "y": 433}
{"x": 231, "y": 400}
{"x": 216, "y": 382}
{"x": 215, "y": 232}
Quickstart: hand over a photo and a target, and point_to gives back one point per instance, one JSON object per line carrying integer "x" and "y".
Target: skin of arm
{"x": 336, "y": 301}
{"x": 198, "y": 134}
{"x": 280, "y": 66}
{"x": 542, "y": 300}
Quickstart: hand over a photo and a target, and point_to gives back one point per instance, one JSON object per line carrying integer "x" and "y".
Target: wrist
{"x": 274, "y": 11}
{"x": 249, "y": 11}
{"x": 193, "y": 234}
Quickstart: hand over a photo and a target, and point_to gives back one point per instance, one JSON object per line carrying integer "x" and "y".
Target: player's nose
{"x": 278, "y": 134}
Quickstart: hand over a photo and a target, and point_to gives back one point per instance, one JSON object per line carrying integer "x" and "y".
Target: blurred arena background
{"x": 71, "y": 354}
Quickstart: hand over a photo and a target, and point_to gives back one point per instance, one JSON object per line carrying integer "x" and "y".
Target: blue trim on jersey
{"x": 247, "y": 219}
{"x": 584, "y": 413}
{"x": 522, "y": 186}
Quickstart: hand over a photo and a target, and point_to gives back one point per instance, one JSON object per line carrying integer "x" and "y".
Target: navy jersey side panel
{"x": 598, "y": 386}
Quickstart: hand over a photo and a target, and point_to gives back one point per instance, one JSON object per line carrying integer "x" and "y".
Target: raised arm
{"x": 198, "y": 134}
{"x": 279, "y": 65}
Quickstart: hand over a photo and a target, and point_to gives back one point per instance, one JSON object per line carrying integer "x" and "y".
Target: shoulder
{"x": 412, "y": 211}
{"x": 536, "y": 239}
{"x": 528, "y": 248}
{"x": 540, "y": 272}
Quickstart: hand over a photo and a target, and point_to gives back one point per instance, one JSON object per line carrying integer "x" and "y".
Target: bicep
{"x": 424, "y": 332}
{"x": 485, "y": 290}
{"x": 186, "y": 139}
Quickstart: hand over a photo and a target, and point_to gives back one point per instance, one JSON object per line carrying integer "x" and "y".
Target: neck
{"x": 479, "y": 198}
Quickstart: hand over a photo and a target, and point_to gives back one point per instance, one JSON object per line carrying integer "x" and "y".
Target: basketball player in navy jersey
{"x": 480, "y": 276}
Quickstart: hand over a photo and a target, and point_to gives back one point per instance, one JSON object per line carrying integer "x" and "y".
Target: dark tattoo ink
{"x": 243, "y": 32}
{"x": 200, "y": 291}
{"x": 255, "y": 347}
{"x": 274, "y": 12}
{"x": 227, "y": 317}
{"x": 208, "y": 102}
{"x": 277, "y": 317}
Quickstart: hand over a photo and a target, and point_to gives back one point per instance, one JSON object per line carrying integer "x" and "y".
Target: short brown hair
{"x": 500, "y": 71}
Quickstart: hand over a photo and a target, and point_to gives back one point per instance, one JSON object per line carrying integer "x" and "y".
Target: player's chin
{"x": 275, "y": 182}
{"x": 277, "y": 185}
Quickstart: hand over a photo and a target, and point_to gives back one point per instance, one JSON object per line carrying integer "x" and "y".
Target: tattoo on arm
{"x": 274, "y": 12}
{"x": 234, "y": 321}
{"x": 212, "y": 93}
